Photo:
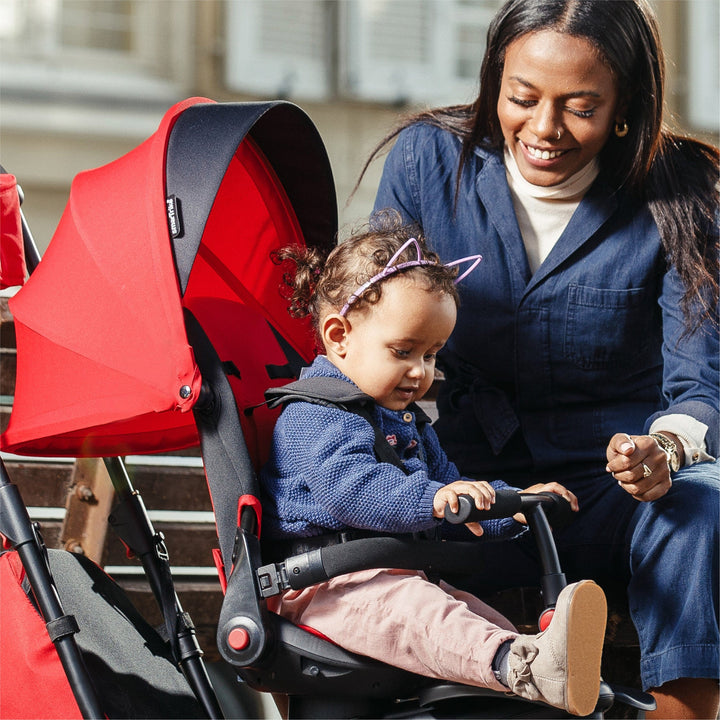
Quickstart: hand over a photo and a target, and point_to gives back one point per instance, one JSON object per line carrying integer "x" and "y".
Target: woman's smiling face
{"x": 555, "y": 82}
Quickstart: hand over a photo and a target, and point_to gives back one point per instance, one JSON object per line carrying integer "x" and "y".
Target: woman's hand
{"x": 482, "y": 492}
{"x": 552, "y": 487}
{"x": 639, "y": 465}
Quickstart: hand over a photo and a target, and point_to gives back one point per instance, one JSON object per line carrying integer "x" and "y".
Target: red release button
{"x": 545, "y": 619}
{"x": 238, "y": 638}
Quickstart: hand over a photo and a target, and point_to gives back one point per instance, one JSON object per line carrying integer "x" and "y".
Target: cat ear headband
{"x": 391, "y": 269}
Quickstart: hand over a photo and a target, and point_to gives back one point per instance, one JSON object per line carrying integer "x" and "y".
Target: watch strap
{"x": 670, "y": 448}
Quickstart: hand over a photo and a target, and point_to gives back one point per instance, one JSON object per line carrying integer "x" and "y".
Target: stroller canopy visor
{"x": 186, "y": 220}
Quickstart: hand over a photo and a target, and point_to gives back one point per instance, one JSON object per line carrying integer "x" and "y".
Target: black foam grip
{"x": 507, "y": 503}
{"x": 428, "y": 555}
{"x": 558, "y": 510}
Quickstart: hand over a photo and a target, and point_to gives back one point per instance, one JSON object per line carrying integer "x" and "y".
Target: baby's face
{"x": 391, "y": 346}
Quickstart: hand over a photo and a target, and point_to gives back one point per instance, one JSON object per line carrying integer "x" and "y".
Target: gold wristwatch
{"x": 670, "y": 448}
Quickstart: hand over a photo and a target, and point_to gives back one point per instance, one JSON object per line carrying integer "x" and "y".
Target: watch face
{"x": 670, "y": 450}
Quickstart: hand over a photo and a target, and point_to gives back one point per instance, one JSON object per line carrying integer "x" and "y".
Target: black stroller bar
{"x": 540, "y": 510}
{"x": 322, "y": 563}
{"x": 134, "y": 527}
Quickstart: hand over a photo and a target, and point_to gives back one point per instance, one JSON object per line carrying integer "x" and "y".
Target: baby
{"x": 383, "y": 306}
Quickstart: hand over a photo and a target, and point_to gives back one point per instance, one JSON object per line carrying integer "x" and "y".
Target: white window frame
{"x": 703, "y": 68}
{"x": 250, "y": 69}
{"x": 151, "y": 69}
{"x": 435, "y": 80}
{"x": 346, "y": 67}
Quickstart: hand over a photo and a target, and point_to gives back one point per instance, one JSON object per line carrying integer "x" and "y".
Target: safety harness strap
{"x": 334, "y": 392}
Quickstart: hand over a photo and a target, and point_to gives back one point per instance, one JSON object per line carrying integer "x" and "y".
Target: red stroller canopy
{"x": 187, "y": 219}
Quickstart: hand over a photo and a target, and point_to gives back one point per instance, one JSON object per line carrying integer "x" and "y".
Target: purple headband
{"x": 390, "y": 269}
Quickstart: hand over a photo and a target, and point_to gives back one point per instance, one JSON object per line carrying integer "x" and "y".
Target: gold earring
{"x": 621, "y": 129}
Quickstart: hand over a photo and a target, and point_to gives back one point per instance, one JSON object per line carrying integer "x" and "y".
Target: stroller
{"x": 153, "y": 323}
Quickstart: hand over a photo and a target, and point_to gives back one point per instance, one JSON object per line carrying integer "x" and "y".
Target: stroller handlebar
{"x": 508, "y": 503}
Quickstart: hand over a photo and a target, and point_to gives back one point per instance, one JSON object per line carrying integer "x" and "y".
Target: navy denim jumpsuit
{"x": 543, "y": 369}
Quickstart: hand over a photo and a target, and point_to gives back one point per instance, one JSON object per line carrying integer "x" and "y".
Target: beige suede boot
{"x": 561, "y": 665}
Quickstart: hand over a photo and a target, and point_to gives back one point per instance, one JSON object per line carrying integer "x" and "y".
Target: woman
{"x": 586, "y": 348}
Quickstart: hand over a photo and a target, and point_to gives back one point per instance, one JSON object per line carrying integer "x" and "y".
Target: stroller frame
{"x": 268, "y": 652}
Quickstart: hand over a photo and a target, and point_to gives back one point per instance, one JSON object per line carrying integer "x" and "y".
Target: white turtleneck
{"x": 543, "y": 212}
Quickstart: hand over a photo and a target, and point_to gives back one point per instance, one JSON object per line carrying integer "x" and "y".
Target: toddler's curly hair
{"x": 317, "y": 284}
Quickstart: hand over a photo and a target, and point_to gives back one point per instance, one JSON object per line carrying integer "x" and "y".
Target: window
{"x": 409, "y": 51}
{"x": 391, "y": 51}
{"x": 118, "y": 48}
{"x": 279, "y": 49}
{"x": 703, "y": 72}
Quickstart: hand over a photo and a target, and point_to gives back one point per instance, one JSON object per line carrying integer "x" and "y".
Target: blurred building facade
{"x": 84, "y": 81}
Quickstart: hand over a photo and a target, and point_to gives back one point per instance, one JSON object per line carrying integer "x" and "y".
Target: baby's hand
{"x": 483, "y": 493}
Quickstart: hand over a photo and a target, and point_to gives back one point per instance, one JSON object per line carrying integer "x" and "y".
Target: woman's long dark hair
{"x": 677, "y": 176}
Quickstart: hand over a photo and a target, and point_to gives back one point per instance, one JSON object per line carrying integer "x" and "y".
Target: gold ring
{"x": 647, "y": 472}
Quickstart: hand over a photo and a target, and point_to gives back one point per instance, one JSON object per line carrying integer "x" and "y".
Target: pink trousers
{"x": 400, "y": 618}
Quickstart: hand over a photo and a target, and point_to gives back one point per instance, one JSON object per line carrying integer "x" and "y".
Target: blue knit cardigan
{"x": 323, "y": 476}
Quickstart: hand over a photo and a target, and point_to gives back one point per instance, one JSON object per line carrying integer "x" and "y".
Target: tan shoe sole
{"x": 587, "y": 617}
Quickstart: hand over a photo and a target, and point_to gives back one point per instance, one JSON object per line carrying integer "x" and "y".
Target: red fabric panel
{"x": 218, "y": 562}
{"x": 241, "y": 335}
{"x": 254, "y": 503}
{"x": 238, "y": 242}
{"x": 234, "y": 289}
{"x": 47, "y": 423}
{"x": 12, "y": 253}
{"x": 33, "y": 683}
{"x": 101, "y": 336}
